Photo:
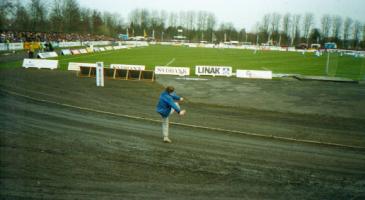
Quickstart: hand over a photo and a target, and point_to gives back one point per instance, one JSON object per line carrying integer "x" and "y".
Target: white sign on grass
{"x": 128, "y": 67}
{"x": 40, "y": 64}
{"x": 180, "y": 71}
{"x": 75, "y": 51}
{"x": 82, "y": 51}
{"x": 213, "y": 70}
{"x": 47, "y": 55}
{"x": 254, "y": 74}
{"x": 73, "y": 66}
{"x": 66, "y": 52}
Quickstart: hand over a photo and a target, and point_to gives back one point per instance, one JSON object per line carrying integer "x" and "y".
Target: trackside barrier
{"x": 47, "y": 55}
{"x": 40, "y": 64}
{"x": 119, "y": 74}
{"x": 100, "y": 74}
{"x": 86, "y": 71}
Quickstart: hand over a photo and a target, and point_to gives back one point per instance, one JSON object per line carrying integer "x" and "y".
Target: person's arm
{"x": 175, "y": 97}
{"x": 172, "y": 103}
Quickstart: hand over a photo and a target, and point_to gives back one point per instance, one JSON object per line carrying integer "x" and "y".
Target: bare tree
{"x": 71, "y": 15}
{"x": 308, "y": 22}
{"x": 336, "y": 27}
{"x": 265, "y": 25}
{"x": 182, "y": 20}
{"x": 363, "y": 32}
{"x": 6, "y": 10}
{"x": 346, "y": 31}
{"x": 356, "y": 33}
{"x": 37, "y": 15}
{"x": 56, "y": 17}
{"x": 295, "y": 32}
{"x": 286, "y": 26}
{"x": 190, "y": 15}
{"x": 275, "y": 22}
{"x": 326, "y": 26}
{"x": 172, "y": 20}
{"x": 202, "y": 21}
{"x": 97, "y": 22}
{"x": 22, "y": 20}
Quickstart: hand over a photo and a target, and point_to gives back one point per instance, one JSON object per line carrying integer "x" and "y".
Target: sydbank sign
{"x": 128, "y": 67}
{"x": 213, "y": 70}
{"x": 179, "y": 71}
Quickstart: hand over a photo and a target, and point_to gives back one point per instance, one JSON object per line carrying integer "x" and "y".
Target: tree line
{"x": 289, "y": 29}
{"x": 67, "y": 16}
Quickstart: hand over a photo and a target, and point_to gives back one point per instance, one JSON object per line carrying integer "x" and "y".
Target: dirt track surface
{"x": 51, "y": 151}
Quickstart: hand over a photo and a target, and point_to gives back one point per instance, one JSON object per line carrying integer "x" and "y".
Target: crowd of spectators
{"x": 15, "y": 36}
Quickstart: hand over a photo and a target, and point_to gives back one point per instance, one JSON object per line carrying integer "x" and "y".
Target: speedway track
{"x": 53, "y": 151}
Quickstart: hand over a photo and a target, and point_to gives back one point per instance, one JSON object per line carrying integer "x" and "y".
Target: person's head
{"x": 170, "y": 89}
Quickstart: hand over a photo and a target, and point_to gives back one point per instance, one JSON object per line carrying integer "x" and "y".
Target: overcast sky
{"x": 242, "y": 13}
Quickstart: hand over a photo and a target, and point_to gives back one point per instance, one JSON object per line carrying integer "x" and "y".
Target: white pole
{"x": 328, "y": 61}
{"x": 100, "y": 74}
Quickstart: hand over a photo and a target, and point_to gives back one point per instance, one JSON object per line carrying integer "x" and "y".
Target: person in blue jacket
{"x": 167, "y": 104}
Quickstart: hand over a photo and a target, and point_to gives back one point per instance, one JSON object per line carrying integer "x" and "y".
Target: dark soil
{"x": 54, "y": 151}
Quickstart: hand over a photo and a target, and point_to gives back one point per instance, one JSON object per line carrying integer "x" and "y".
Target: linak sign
{"x": 180, "y": 71}
{"x": 213, "y": 70}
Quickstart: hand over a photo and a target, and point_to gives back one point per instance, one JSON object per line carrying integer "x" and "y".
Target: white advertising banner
{"x": 40, "y": 64}
{"x": 254, "y": 74}
{"x": 98, "y": 43}
{"x": 109, "y": 48}
{"x": 128, "y": 67}
{"x": 179, "y": 71}
{"x": 75, "y": 51}
{"x": 16, "y": 46}
{"x": 48, "y": 55}
{"x": 119, "y": 47}
{"x": 3, "y": 47}
{"x": 66, "y": 52}
{"x": 69, "y": 44}
{"x": 73, "y": 66}
{"x": 11, "y": 46}
{"x": 89, "y": 49}
{"x": 213, "y": 70}
{"x": 83, "y": 51}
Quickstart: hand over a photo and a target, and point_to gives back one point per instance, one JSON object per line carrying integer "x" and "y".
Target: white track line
{"x": 90, "y": 55}
{"x": 187, "y": 125}
{"x": 171, "y": 61}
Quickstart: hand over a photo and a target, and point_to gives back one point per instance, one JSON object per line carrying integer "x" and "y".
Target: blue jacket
{"x": 166, "y": 102}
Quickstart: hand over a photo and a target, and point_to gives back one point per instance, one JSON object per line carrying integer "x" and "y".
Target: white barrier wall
{"x": 179, "y": 71}
{"x": 213, "y": 70}
{"x": 254, "y": 74}
{"x": 69, "y": 44}
{"x": 40, "y": 64}
{"x": 73, "y": 66}
{"x": 100, "y": 74}
{"x": 11, "y": 46}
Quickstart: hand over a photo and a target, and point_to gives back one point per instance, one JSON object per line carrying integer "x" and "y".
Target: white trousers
{"x": 165, "y": 123}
